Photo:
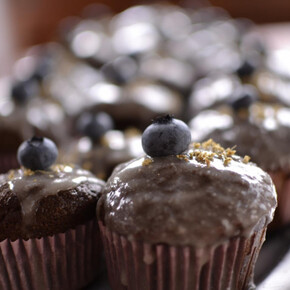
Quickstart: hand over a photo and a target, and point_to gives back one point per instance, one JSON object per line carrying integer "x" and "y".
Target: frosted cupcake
{"x": 49, "y": 238}
{"x": 261, "y": 130}
{"x": 189, "y": 218}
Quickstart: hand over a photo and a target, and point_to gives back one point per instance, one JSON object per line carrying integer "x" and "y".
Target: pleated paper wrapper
{"x": 63, "y": 261}
{"x": 134, "y": 265}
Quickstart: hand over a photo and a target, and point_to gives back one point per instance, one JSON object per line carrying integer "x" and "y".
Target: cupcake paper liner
{"x": 282, "y": 184}
{"x": 7, "y": 162}
{"x": 63, "y": 261}
{"x": 135, "y": 265}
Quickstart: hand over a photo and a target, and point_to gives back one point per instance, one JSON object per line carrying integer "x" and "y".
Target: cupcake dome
{"x": 46, "y": 203}
{"x": 201, "y": 197}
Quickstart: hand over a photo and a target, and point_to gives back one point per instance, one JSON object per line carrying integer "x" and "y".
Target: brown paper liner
{"x": 282, "y": 184}
{"x": 64, "y": 261}
{"x": 134, "y": 265}
{"x": 7, "y": 162}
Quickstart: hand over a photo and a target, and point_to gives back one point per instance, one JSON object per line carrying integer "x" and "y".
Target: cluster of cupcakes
{"x": 183, "y": 215}
{"x": 133, "y": 66}
{"x": 198, "y": 205}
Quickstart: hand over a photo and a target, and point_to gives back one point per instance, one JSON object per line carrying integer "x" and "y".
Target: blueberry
{"x": 243, "y": 97}
{"x": 22, "y": 91}
{"x": 94, "y": 125}
{"x": 166, "y": 136}
{"x": 120, "y": 70}
{"x": 246, "y": 69}
{"x": 38, "y": 153}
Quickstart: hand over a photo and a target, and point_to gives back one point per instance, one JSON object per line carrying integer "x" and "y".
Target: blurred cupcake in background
{"x": 25, "y": 111}
{"x": 261, "y": 130}
{"x": 99, "y": 147}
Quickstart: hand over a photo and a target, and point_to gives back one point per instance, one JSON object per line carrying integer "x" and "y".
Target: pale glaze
{"x": 185, "y": 202}
{"x": 45, "y": 183}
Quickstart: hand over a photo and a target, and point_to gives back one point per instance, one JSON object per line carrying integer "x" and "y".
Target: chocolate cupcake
{"x": 100, "y": 148}
{"x": 24, "y": 112}
{"x": 49, "y": 238}
{"x": 273, "y": 88}
{"x": 14, "y": 127}
{"x": 184, "y": 217}
{"x": 211, "y": 91}
{"x": 135, "y": 103}
{"x": 261, "y": 130}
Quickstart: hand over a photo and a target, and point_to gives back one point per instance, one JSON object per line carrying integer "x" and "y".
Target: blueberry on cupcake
{"x": 38, "y": 153}
{"x": 166, "y": 136}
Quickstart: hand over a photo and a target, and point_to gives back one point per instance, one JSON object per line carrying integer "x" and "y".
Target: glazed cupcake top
{"x": 200, "y": 197}
{"x": 44, "y": 201}
{"x": 261, "y": 131}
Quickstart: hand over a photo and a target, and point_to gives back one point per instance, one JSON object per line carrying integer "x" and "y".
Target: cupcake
{"x": 169, "y": 71}
{"x": 14, "y": 127}
{"x": 261, "y": 130}
{"x": 184, "y": 217}
{"x": 273, "y": 88}
{"x": 49, "y": 237}
{"x": 212, "y": 91}
{"x": 24, "y": 112}
{"x": 100, "y": 148}
{"x": 135, "y": 103}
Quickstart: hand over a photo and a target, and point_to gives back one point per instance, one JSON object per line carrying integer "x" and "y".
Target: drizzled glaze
{"x": 186, "y": 201}
{"x": 24, "y": 182}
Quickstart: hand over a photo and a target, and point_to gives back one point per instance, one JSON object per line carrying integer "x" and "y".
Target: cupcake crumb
{"x": 230, "y": 151}
{"x": 207, "y": 161}
{"x": 28, "y": 172}
{"x": 227, "y": 161}
{"x": 202, "y": 155}
{"x": 182, "y": 157}
{"x": 246, "y": 159}
{"x": 147, "y": 161}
